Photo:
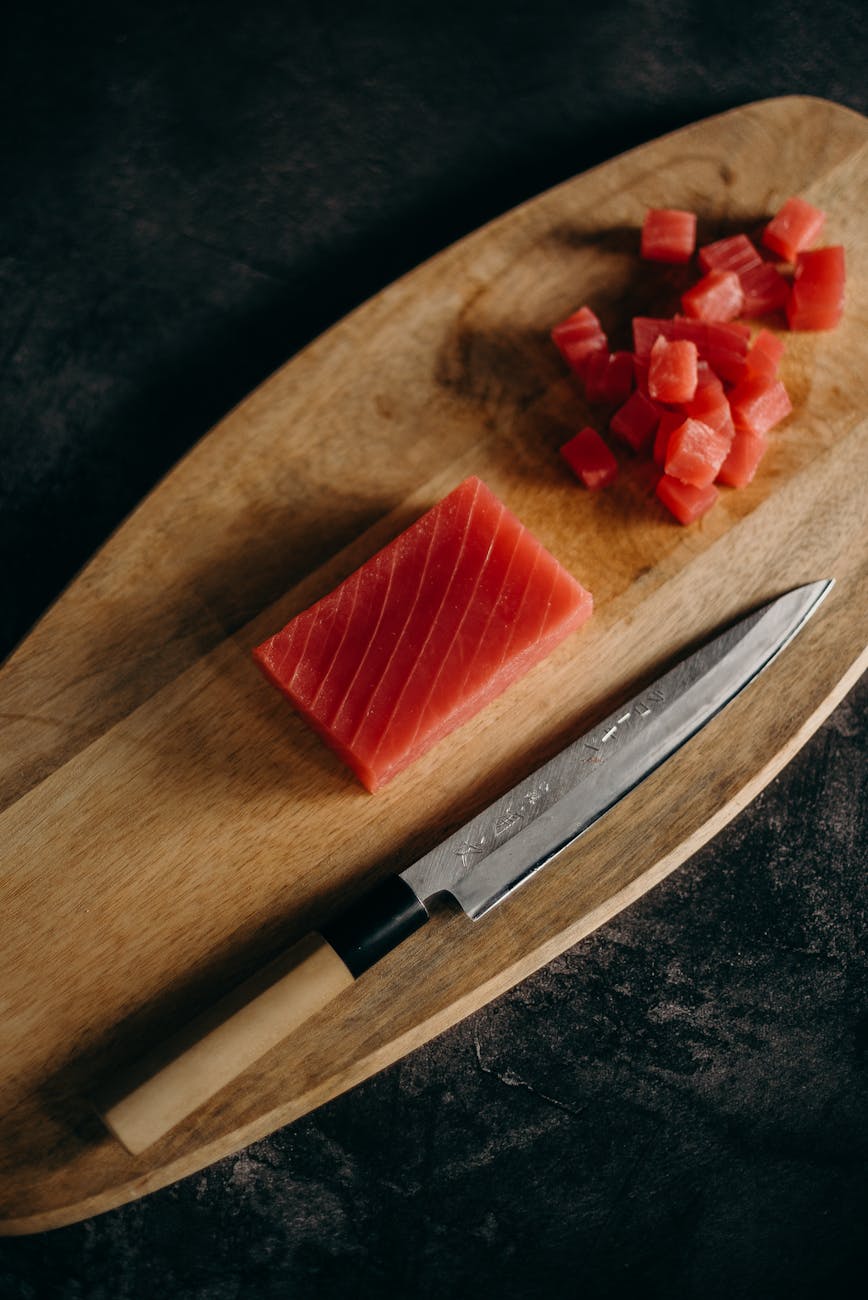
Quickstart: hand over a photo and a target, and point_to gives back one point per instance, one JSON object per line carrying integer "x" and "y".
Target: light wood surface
{"x": 168, "y": 824}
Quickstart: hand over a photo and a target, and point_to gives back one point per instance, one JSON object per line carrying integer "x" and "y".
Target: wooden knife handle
{"x": 188, "y": 1069}
{"x": 191, "y": 1067}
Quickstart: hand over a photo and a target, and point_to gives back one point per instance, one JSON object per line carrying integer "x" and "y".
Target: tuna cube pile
{"x": 700, "y": 391}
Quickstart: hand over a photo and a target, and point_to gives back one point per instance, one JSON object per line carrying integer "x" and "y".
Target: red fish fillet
{"x": 425, "y": 633}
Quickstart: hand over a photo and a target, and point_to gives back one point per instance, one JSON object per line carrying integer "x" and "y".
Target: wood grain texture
{"x": 168, "y": 823}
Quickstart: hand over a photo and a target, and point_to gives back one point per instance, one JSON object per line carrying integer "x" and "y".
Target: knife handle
{"x": 207, "y": 1054}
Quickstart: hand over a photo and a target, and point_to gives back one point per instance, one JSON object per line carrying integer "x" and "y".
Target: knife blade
{"x": 479, "y": 865}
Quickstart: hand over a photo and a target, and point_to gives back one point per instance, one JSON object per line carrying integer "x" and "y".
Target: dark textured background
{"x": 676, "y": 1108}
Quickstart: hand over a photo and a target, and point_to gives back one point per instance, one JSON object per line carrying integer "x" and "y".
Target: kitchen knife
{"x": 479, "y": 866}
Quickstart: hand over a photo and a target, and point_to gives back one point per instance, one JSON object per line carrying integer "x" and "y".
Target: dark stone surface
{"x": 677, "y": 1107}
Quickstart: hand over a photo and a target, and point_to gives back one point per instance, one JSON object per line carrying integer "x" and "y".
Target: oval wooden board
{"x": 167, "y": 821}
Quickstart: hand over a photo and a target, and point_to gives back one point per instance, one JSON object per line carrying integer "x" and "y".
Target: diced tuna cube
{"x": 709, "y": 336}
{"x": 793, "y": 229}
{"x": 763, "y": 286}
{"x": 744, "y": 456}
{"x": 817, "y": 298}
{"x": 636, "y": 421}
{"x": 695, "y": 453}
{"x": 578, "y": 337}
{"x": 685, "y": 502}
{"x": 764, "y": 356}
{"x": 609, "y": 377}
{"x": 757, "y": 405}
{"x": 765, "y": 289}
{"x": 669, "y": 422}
{"x": 590, "y": 459}
{"x": 668, "y": 235}
{"x": 734, "y": 253}
{"x": 672, "y": 371}
{"x": 711, "y": 407}
{"x": 718, "y": 296}
{"x": 641, "y": 366}
{"x": 705, "y": 377}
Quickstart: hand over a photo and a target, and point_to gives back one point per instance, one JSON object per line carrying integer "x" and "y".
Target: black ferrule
{"x": 376, "y": 924}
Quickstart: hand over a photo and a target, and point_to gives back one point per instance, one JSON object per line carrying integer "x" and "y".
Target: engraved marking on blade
{"x": 640, "y": 707}
{"x": 467, "y": 849}
{"x": 533, "y": 796}
{"x": 506, "y": 821}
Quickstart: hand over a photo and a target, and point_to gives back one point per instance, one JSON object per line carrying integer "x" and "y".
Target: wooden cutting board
{"x": 167, "y": 822}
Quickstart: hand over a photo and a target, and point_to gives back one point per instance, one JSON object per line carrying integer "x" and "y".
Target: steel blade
{"x": 501, "y": 847}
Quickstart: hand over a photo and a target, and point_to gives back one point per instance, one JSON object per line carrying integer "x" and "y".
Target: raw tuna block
{"x": 425, "y": 633}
